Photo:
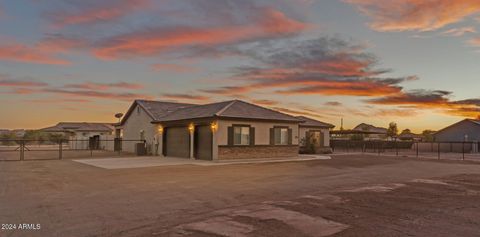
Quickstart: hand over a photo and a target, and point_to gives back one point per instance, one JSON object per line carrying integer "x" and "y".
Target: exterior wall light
{"x": 191, "y": 128}
{"x": 160, "y": 129}
{"x": 214, "y": 126}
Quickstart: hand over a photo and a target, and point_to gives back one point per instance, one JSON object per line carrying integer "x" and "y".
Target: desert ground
{"x": 348, "y": 195}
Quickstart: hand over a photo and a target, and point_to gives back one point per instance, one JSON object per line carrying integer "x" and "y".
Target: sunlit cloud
{"x": 418, "y": 15}
{"x": 105, "y": 86}
{"x": 475, "y": 42}
{"x": 323, "y": 66}
{"x": 124, "y": 96}
{"x": 8, "y": 81}
{"x": 460, "y": 31}
{"x": 181, "y": 97}
{"x": 437, "y": 99}
{"x": 270, "y": 23}
{"x": 23, "y": 53}
{"x": 91, "y": 12}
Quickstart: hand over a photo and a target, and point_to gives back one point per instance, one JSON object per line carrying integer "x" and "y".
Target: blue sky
{"x": 413, "y": 62}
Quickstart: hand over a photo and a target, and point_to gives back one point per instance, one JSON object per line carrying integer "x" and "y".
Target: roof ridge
{"x": 225, "y": 108}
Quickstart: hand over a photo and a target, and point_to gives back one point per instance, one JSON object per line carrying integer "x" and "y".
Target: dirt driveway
{"x": 345, "y": 196}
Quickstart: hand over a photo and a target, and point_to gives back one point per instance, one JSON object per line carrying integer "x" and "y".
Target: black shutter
{"x": 252, "y": 136}
{"x": 272, "y": 136}
{"x": 230, "y": 136}
{"x": 290, "y": 136}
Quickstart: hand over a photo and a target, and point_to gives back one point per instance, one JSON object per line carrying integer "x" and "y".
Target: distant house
{"x": 409, "y": 136}
{"x": 465, "y": 130}
{"x": 83, "y": 135}
{"x": 19, "y": 133}
{"x": 224, "y": 130}
{"x": 376, "y": 133}
{"x": 4, "y": 132}
{"x": 315, "y": 134}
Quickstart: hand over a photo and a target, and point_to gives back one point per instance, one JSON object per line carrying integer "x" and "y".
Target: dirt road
{"x": 345, "y": 196}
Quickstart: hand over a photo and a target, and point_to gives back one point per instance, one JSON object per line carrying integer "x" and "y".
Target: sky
{"x": 413, "y": 62}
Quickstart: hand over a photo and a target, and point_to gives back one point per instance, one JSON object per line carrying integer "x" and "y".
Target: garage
{"x": 177, "y": 142}
{"x": 203, "y": 143}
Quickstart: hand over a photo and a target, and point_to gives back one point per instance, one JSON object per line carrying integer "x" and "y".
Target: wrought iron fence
{"x": 438, "y": 150}
{"x": 27, "y": 149}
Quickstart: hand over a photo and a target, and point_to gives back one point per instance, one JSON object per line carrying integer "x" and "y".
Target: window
{"x": 281, "y": 136}
{"x": 241, "y": 135}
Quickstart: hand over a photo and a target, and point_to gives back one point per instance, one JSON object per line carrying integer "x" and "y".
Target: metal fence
{"x": 435, "y": 150}
{"x": 25, "y": 149}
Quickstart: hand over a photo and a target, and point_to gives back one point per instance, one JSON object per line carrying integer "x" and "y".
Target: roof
{"x": 474, "y": 121}
{"x": 309, "y": 122}
{"x": 409, "y": 135}
{"x": 352, "y": 132}
{"x": 79, "y": 126}
{"x": 370, "y": 128}
{"x": 155, "y": 109}
{"x": 228, "y": 109}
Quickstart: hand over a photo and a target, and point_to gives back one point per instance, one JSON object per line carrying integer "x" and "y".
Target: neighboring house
{"x": 225, "y": 130}
{"x": 314, "y": 134}
{"x": 19, "y": 133}
{"x": 84, "y": 135}
{"x": 376, "y": 133}
{"x": 409, "y": 136}
{"x": 4, "y": 132}
{"x": 465, "y": 130}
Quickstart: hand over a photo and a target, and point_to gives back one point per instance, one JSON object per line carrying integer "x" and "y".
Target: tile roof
{"x": 228, "y": 109}
{"x": 371, "y": 128}
{"x": 309, "y": 122}
{"x": 80, "y": 126}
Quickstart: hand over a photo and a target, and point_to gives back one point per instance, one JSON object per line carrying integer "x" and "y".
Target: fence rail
{"x": 31, "y": 149}
{"x": 438, "y": 150}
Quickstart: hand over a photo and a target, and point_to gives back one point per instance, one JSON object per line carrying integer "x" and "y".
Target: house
{"x": 465, "y": 130}
{"x": 409, "y": 136}
{"x": 375, "y": 133}
{"x": 314, "y": 135}
{"x": 84, "y": 135}
{"x": 217, "y": 131}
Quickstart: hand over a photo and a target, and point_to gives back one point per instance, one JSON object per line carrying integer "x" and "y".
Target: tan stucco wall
{"x": 262, "y": 131}
{"x": 132, "y": 127}
{"x": 325, "y": 131}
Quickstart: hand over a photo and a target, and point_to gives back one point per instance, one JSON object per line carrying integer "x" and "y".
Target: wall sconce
{"x": 191, "y": 128}
{"x": 160, "y": 129}
{"x": 214, "y": 126}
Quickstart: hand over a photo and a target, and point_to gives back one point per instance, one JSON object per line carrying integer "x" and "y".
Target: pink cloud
{"x": 98, "y": 12}
{"x": 104, "y": 86}
{"x": 270, "y": 23}
{"x": 22, "y": 53}
{"x": 419, "y": 15}
{"x": 460, "y": 31}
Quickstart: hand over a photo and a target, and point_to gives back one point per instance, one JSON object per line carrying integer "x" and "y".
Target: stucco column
{"x": 158, "y": 146}
{"x": 214, "y": 128}
{"x": 191, "y": 130}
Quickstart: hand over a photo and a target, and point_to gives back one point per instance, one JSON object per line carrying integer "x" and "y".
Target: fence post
{"x": 346, "y": 145}
{"x": 22, "y": 150}
{"x": 417, "y": 149}
{"x": 60, "y": 148}
{"x": 396, "y": 147}
{"x": 463, "y": 150}
{"x": 438, "y": 150}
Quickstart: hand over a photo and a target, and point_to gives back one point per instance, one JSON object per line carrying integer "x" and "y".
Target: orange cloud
{"x": 475, "y": 42}
{"x": 420, "y": 15}
{"x": 460, "y": 31}
{"x": 23, "y": 53}
{"x": 104, "y": 86}
{"x": 98, "y": 94}
{"x": 271, "y": 23}
{"x": 100, "y": 11}
{"x": 185, "y": 97}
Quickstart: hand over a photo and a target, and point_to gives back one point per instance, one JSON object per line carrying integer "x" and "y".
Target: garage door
{"x": 203, "y": 143}
{"x": 177, "y": 142}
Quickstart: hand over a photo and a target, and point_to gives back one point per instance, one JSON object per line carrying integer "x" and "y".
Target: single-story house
{"x": 409, "y": 136}
{"x": 466, "y": 130}
{"x": 376, "y": 133}
{"x": 314, "y": 135}
{"x": 224, "y": 130}
{"x": 85, "y": 135}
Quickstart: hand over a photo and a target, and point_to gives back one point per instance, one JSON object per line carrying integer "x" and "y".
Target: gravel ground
{"x": 349, "y": 195}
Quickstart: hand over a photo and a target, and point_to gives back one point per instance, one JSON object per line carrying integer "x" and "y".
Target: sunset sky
{"x": 415, "y": 62}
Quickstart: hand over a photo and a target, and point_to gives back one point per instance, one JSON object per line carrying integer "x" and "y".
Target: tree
{"x": 428, "y": 135}
{"x": 406, "y": 131}
{"x": 392, "y": 130}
